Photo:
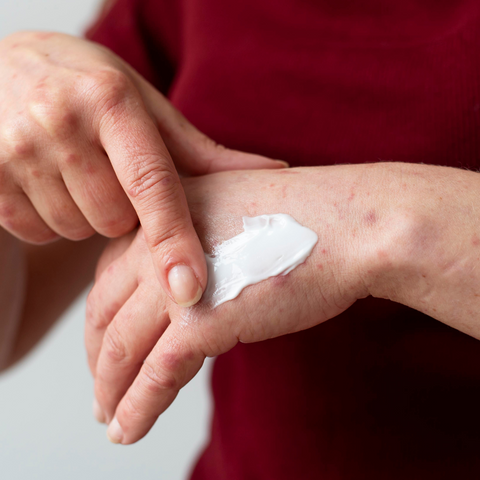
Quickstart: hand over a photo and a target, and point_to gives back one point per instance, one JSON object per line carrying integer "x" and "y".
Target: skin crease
{"x": 87, "y": 144}
{"x": 396, "y": 231}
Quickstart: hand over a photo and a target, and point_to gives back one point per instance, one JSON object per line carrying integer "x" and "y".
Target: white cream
{"x": 270, "y": 245}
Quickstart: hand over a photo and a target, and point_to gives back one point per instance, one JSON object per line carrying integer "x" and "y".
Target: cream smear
{"x": 270, "y": 245}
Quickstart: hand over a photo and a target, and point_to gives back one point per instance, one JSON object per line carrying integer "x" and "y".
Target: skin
{"x": 87, "y": 145}
{"x": 404, "y": 232}
{"x": 409, "y": 233}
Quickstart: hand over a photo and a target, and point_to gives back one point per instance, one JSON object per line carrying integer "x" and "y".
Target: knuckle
{"x": 54, "y": 115}
{"x": 147, "y": 179}
{"x": 109, "y": 87}
{"x": 68, "y": 224}
{"x": 130, "y": 410}
{"x": 156, "y": 382}
{"x": 16, "y": 141}
{"x": 97, "y": 313}
{"x": 115, "y": 346}
{"x": 167, "y": 240}
{"x": 31, "y": 231}
{"x": 118, "y": 225}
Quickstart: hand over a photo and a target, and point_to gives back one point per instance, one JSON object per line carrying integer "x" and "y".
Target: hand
{"x": 142, "y": 348}
{"x": 85, "y": 142}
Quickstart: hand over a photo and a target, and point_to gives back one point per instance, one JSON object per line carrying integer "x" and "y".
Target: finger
{"x": 170, "y": 365}
{"x": 193, "y": 152}
{"x": 148, "y": 176}
{"x": 114, "y": 250}
{"x": 19, "y": 217}
{"x": 54, "y": 204}
{"x": 115, "y": 286}
{"x": 94, "y": 187}
{"x": 128, "y": 340}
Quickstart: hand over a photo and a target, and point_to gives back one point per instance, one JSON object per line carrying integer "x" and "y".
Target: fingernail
{"x": 98, "y": 412}
{"x": 285, "y": 164}
{"x": 114, "y": 431}
{"x": 184, "y": 286}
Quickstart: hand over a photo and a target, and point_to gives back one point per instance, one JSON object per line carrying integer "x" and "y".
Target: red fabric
{"x": 382, "y": 391}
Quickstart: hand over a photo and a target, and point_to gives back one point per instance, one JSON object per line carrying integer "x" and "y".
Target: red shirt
{"x": 381, "y": 391}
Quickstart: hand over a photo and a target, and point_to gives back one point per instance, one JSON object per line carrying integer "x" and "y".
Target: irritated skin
{"x": 405, "y": 232}
{"x": 394, "y": 231}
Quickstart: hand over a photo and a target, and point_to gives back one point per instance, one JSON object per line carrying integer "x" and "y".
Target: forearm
{"x": 429, "y": 254}
{"x": 12, "y": 289}
{"x": 37, "y": 284}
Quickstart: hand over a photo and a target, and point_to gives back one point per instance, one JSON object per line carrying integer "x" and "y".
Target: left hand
{"x": 409, "y": 233}
{"x": 143, "y": 348}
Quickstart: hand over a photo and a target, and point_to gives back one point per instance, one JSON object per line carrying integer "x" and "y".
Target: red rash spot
{"x": 324, "y": 250}
{"x": 166, "y": 181}
{"x": 90, "y": 169}
{"x": 272, "y": 185}
{"x": 280, "y": 280}
{"x": 23, "y": 149}
{"x": 351, "y": 197}
{"x": 70, "y": 119}
{"x": 371, "y": 217}
{"x": 320, "y": 266}
{"x": 475, "y": 240}
{"x": 7, "y": 212}
{"x": 71, "y": 159}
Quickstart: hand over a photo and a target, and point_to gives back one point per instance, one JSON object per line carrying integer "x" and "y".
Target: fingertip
{"x": 98, "y": 412}
{"x": 184, "y": 286}
{"x": 115, "y": 432}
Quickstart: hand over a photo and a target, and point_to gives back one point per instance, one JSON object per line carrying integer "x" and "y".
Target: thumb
{"x": 192, "y": 151}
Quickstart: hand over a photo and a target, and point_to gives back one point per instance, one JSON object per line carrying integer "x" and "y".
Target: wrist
{"x": 424, "y": 256}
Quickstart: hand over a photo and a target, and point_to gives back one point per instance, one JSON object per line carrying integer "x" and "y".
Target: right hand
{"x": 87, "y": 144}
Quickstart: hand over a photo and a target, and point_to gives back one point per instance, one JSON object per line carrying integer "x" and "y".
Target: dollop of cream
{"x": 270, "y": 245}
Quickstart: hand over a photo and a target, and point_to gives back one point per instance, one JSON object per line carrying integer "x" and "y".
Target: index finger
{"x": 146, "y": 172}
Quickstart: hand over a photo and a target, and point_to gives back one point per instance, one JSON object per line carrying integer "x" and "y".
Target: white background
{"x": 47, "y": 430}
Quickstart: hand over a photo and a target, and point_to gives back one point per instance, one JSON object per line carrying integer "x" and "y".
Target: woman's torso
{"x": 382, "y": 391}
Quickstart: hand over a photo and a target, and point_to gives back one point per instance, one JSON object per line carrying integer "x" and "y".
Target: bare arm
{"x": 429, "y": 258}
{"x": 37, "y": 283}
{"x": 410, "y": 233}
